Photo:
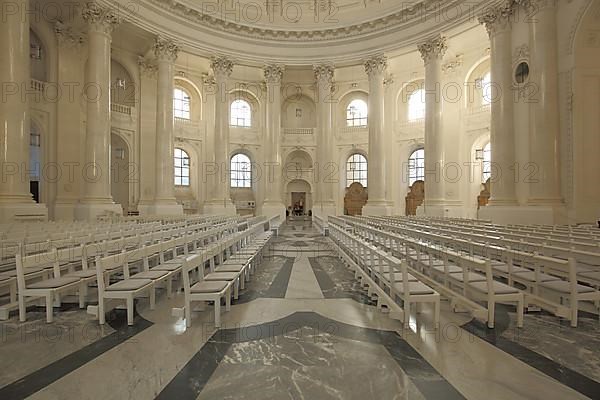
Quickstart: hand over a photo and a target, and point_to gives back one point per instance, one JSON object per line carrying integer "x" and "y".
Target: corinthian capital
{"x": 324, "y": 72}
{"x": 533, "y": 6}
{"x": 273, "y": 73}
{"x": 99, "y": 18}
{"x": 165, "y": 49}
{"x": 221, "y": 66}
{"x": 376, "y": 65}
{"x": 434, "y": 48}
{"x": 496, "y": 19}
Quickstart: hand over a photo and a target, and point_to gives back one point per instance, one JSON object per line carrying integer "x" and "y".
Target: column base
{"x": 91, "y": 211}
{"x": 220, "y": 208}
{"x": 377, "y": 208}
{"x": 529, "y": 214}
{"x": 160, "y": 209}
{"x": 272, "y": 209}
{"x": 23, "y": 212}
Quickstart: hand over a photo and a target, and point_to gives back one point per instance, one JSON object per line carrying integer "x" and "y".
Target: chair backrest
{"x": 70, "y": 255}
{"x": 191, "y": 263}
{"x": 23, "y": 263}
{"x": 153, "y": 250}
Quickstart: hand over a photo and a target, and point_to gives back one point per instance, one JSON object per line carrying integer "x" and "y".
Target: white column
{"x": 545, "y": 122}
{"x": 15, "y": 198}
{"x": 498, "y": 24}
{"x": 97, "y": 198}
{"x": 165, "y": 51}
{"x": 273, "y": 204}
{"x": 325, "y": 203}
{"x": 221, "y": 203}
{"x": 378, "y": 203}
{"x": 432, "y": 52}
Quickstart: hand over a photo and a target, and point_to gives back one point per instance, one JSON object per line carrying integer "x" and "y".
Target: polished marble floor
{"x": 302, "y": 329}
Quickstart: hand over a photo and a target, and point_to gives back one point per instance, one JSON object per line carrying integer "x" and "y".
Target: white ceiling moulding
{"x": 205, "y": 35}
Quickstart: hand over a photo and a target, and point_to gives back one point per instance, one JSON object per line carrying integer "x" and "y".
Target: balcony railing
{"x": 483, "y": 108}
{"x": 299, "y": 131}
{"x": 355, "y": 129}
{"x": 38, "y": 86}
{"x": 120, "y": 108}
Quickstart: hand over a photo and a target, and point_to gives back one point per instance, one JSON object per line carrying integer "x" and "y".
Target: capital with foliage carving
{"x": 497, "y": 18}
{"x": 434, "y": 48}
{"x": 99, "y": 18}
{"x": 165, "y": 49}
{"x": 273, "y": 73}
{"x": 222, "y": 66}
{"x": 376, "y": 65}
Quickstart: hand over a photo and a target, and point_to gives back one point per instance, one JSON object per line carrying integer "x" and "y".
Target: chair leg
{"x": 130, "y": 310}
{"x": 169, "y": 287}
{"x": 520, "y": 312}
{"x": 574, "y": 309}
{"x": 101, "y": 316}
{"x": 491, "y": 314}
{"x": 227, "y": 299}
{"x": 49, "y": 307}
{"x": 22, "y": 309}
{"x": 236, "y": 289}
{"x": 436, "y": 317}
{"x": 188, "y": 314}
{"x": 218, "y": 312}
{"x": 13, "y": 292}
{"x": 82, "y": 295}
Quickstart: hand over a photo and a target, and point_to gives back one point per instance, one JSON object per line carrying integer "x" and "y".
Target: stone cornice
{"x": 376, "y": 65}
{"x": 410, "y": 13}
{"x": 99, "y": 18}
{"x": 433, "y": 48}
{"x": 273, "y": 73}
{"x": 165, "y": 49}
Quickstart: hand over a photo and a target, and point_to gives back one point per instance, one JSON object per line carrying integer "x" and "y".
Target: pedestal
{"x": 22, "y": 212}
{"x": 377, "y": 209}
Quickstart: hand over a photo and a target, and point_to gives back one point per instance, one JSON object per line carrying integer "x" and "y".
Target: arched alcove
{"x": 299, "y": 197}
{"x": 120, "y": 173}
{"x": 123, "y": 88}
{"x": 38, "y": 57}
{"x": 298, "y": 112}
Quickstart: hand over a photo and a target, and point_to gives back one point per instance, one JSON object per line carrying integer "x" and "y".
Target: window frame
{"x": 354, "y": 121}
{"x": 414, "y": 115}
{"x": 246, "y": 121}
{"x": 181, "y": 168}
{"x": 179, "y": 104}
{"x": 416, "y": 170}
{"x": 239, "y": 177}
{"x": 359, "y": 174}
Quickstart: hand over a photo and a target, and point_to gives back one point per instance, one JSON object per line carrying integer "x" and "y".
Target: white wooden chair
{"x": 126, "y": 289}
{"x": 203, "y": 290}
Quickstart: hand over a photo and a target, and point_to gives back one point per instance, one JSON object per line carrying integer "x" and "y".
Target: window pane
{"x": 416, "y": 105}
{"x": 356, "y": 113}
{"x": 241, "y": 113}
{"x": 181, "y": 104}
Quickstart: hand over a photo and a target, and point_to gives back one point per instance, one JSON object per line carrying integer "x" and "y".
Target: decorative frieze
{"x": 454, "y": 65}
{"x": 165, "y": 49}
{"x": 99, "y": 18}
{"x": 434, "y": 48}
{"x": 376, "y": 65}
{"x": 273, "y": 73}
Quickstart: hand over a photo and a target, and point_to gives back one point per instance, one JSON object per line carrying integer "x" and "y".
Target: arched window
{"x": 486, "y": 89}
{"x": 241, "y": 171}
{"x": 416, "y": 166}
{"x": 416, "y": 105}
{"x": 486, "y": 165}
{"x": 182, "y": 168}
{"x": 356, "y": 113}
{"x": 356, "y": 170}
{"x": 181, "y": 104}
{"x": 241, "y": 114}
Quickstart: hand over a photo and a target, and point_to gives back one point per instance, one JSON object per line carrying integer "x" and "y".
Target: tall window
{"x": 416, "y": 166}
{"x": 241, "y": 114}
{"x": 416, "y": 105}
{"x": 356, "y": 170}
{"x": 182, "y": 168}
{"x": 181, "y": 104}
{"x": 486, "y": 89}
{"x": 241, "y": 171}
{"x": 487, "y": 162}
{"x": 356, "y": 113}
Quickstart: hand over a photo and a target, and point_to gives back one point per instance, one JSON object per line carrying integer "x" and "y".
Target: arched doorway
{"x": 120, "y": 174}
{"x": 299, "y": 197}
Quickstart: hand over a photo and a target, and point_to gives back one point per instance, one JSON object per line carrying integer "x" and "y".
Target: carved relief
{"x": 100, "y": 19}
{"x": 376, "y": 65}
{"x": 273, "y": 73}
{"x": 434, "y": 48}
{"x": 165, "y": 49}
{"x": 222, "y": 66}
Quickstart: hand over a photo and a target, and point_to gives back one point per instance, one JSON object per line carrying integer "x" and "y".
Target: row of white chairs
{"x": 550, "y": 283}
{"x": 48, "y": 274}
{"x": 462, "y": 276}
{"x": 383, "y": 274}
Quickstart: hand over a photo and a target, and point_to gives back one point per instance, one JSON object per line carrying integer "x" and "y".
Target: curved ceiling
{"x": 299, "y": 31}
